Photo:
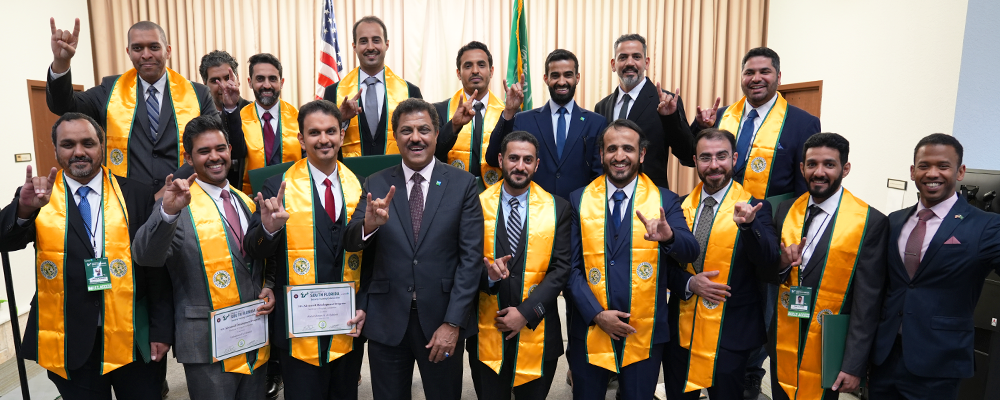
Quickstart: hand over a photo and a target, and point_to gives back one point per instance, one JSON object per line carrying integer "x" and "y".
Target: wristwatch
{"x": 452, "y": 325}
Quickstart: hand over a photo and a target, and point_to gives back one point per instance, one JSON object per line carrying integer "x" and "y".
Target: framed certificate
{"x": 237, "y": 330}
{"x": 320, "y": 309}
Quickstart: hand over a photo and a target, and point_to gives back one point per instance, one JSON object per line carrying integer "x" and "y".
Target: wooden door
{"x": 41, "y": 125}
{"x": 806, "y": 95}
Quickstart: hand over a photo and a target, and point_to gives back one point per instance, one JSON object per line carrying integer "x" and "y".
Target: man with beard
{"x": 628, "y": 238}
{"x": 718, "y": 329}
{"x": 207, "y": 264}
{"x": 527, "y": 253}
{"x": 833, "y": 254}
{"x": 368, "y": 113}
{"x": 143, "y": 110}
{"x": 568, "y": 156}
{"x": 658, "y": 112}
{"x": 91, "y": 338}
{"x": 460, "y": 143}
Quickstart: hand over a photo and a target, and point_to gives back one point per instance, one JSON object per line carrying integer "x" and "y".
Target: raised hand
{"x": 792, "y": 255}
{"x": 377, "y": 211}
{"x": 231, "y": 91}
{"x": 35, "y": 193}
{"x": 706, "y": 117}
{"x": 515, "y": 98}
{"x": 703, "y": 286}
{"x": 464, "y": 113}
{"x": 610, "y": 322}
{"x": 657, "y": 229}
{"x": 272, "y": 211}
{"x": 350, "y": 108}
{"x": 668, "y": 102}
{"x": 177, "y": 193}
{"x": 64, "y": 45}
{"x": 744, "y": 213}
{"x": 497, "y": 270}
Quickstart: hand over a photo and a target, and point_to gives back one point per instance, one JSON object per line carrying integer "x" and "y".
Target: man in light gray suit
{"x": 423, "y": 249}
{"x": 171, "y": 239}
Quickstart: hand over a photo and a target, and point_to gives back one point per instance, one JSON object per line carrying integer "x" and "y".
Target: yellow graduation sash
{"x": 51, "y": 226}
{"x": 799, "y": 373}
{"x": 700, "y": 321}
{"x": 253, "y": 134}
{"x": 460, "y": 155}
{"x": 396, "y": 90}
{"x": 643, "y": 270}
{"x": 220, "y": 269}
{"x": 757, "y": 174}
{"x": 541, "y": 228}
{"x": 122, "y": 103}
{"x": 300, "y": 240}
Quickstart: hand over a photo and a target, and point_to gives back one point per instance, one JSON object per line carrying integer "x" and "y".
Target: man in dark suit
{"x": 628, "y": 238}
{"x": 203, "y": 277}
{"x": 659, "y": 113}
{"x": 90, "y": 341}
{"x": 368, "y": 113}
{"x": 219, "y": 71}
{"x": 520, "y": 335}
{"x": 940, "y": 251}
{"x": 150, "y": 104}
{"x": 716, "y": 331}
{"x": 850, "y": 268}
{"x": 568, "y": 156}
{"x": 425, "y": 251}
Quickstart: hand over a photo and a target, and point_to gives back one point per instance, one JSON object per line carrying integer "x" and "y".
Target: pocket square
{"x": 952, "y": 240}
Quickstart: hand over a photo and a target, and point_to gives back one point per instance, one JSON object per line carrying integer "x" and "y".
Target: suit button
{"x": 156, "y": 182}
{"x": 900, "y": 313}
{"x": 409, "y": 288}
{"x": 911, "y": 286}
{"x": 612, "y": 262}
{"x": 558, "y": 175}
{"x": 415, "y": 262}
{"x": 97, "y": 303}
{"x": 155, "y": 156}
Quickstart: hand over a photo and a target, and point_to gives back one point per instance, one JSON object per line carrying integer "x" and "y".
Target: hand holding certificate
{"x": 322, "y": 309}
{"x": 238, "y": 329}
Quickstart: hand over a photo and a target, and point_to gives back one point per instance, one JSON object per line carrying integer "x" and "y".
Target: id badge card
{"x": 800, "y": 302}
{"x": 98, "y": 277}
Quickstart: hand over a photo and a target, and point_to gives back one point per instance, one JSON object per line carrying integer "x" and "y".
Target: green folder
{"x": 777, "y": 199}
{"x": 834, "y": 336}
{"x": 259, "y": 175}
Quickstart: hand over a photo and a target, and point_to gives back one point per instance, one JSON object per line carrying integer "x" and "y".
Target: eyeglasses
{"x": 705, "y": 158}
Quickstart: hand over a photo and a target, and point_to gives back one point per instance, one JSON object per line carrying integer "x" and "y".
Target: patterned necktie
{"x": 561, "y": 131}
{"x": 233, "y": 220}
{"x": 616, "y": 214}
{"x": 915, "y": 242}
{"x": 153, "y": 110}
{"x": 416, "y": 204}
{"x": 331, "y": 202}
{"x": 268, "y": 137}
{"x": 371, "y": 105}
{"x": 743, "y": 144}
{"x": 623, "y": 113}
{"x": 514, "y": 224}
{"x": 477, "y": 135}
{"x": 704, "y": 228}
{"x": 84, "y": 206}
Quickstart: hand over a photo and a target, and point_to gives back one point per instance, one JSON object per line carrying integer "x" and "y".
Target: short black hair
{"x": 318, "y": 106}
{"x": 72, "y": 116}
{"x": 829, "y": 140}
{"x": 519, "y": 136}
{"x": 628, "y": 37}
{"x": 147, "y": 26}
{"x": 763, "y": 52}
{"x": 716, "y": 134}
{"x": 940, "y": 138}
{"x": 203, "y": 124}
{"x": 215, "y": 59}
{"x": 623, "y": 124}
{"x": 559, "y": 55}
{"x": 473, "y": 45}
{"x": 370, "y": 18}
{"x": 414, "y": 105}
{"x": 264, "y": 58}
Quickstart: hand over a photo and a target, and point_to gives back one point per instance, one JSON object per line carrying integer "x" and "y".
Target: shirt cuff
{"x": 365, "y": 238}
{"x": 229, "y": 110}
{"x": 55, "y": 76}
{"x": 491, "y": 281}
{"x": 167, "y": 217}
{"x": 23, "y": 222}
{"x": 687, "y": 289}
{"x": 270, "y": 235}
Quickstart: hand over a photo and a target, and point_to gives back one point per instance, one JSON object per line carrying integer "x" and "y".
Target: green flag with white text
{"x": 517, "y": 55}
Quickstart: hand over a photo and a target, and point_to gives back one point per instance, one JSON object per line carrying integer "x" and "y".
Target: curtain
{"x": 694, "y": 45}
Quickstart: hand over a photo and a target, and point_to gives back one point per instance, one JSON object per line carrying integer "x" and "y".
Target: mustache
{"x": 79, "y": 159}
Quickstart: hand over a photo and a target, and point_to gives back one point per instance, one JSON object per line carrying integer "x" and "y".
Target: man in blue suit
{"x": 628, "y": 238}
{"x": 940, "y": 251}
{"x": 568, "y": 157}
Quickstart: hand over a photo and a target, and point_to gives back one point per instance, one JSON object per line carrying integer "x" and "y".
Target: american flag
{"x": 329, "y": 65}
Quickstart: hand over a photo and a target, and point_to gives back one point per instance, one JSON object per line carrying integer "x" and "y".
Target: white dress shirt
{"x": 318, "y": 178}
{"x": 425, "y": 172}
{"x": 718, "y": 196}
{"x": 554, "y": 109}
{"x": 634, "y": 94}
{"x": 215, "y": 193}
{"x": 757, "y": 122}
{"x": 379, "y": 87}
{"x": 628, "y": 190}
{"x": 819, "y": 224}
{"x": 275, "y": 112}
{"x": 96, "y": 186}
{"x": 940, "y": 211}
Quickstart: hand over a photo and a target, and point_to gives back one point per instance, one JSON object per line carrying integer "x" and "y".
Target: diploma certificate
{"x": 320, "y": 309}
{"x": 237, "y": 330}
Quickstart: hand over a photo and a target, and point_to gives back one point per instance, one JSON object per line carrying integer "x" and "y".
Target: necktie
{"x": 233, "y": 220}
{"x": 268, "y": 137}
{"x": 616, "y": 214}
{"x": 331, "y": 202}
{"x": 371, "y": 105}
{"x": 153, "y": 110}
{"x": 814, "y": 210}
{"x": 416, "y": 204}
{"x": 84, "y": 206}
{"x": 623, "y": 113}
{"x": 561, "y": 131}
{"x": 743, "y": 144}
{"x": 514, "y": 224}
{"x": 477, "y": 136}
{"x": 915, "y": 242}
{"x": 704, "y": 228}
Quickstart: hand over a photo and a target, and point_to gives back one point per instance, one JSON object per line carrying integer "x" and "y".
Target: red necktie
{"x": 268, "y": 137}
{"x": 915, "y": 242}
{"x": 331, "y": 203}
{"x": 233, "y": 219}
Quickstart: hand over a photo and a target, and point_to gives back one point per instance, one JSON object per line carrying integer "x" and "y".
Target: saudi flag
{"x": 517, "y": 55}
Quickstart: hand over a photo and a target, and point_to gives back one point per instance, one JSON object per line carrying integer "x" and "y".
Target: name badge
{"x": 98, "y": 277}
{"x": 800, "y": 302}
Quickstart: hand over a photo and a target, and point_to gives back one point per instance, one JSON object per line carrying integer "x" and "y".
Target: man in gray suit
{"x": 222, "y": 213}
{"x": 425, "y": 248}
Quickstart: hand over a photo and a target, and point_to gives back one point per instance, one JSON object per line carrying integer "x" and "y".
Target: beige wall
{"x": 890, "y": 76}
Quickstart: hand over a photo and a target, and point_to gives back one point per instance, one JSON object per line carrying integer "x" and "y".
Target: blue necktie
{"x": 84, "y": 207}
{"x": 561, "y": 131}
{"x": 616, "y": 213}
{"x": 743, "y": 144}
{"x": 153, "y": 110}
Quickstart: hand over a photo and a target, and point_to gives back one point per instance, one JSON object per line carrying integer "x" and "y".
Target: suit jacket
{"x": 755, "y": 260}
{"x": 83, "y": 308}
{"x": 786, "y": 176}
{"x": 935, "y": 308}
{"x": 683, "y": 247}
{"x": 239, "y": 150}
{"x": 149, "y": 162}
{"x": 541, "y": 305}
{"x": 443, "y": 267}
{"x": 862, "y": 300}
{"x": 183, "y": 263}
{"x": 580, "y": 162}
{"x": 666, "y": 134}
{"x": 371, "y": 146}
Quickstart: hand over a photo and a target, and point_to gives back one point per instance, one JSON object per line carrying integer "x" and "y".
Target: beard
{"x": 509, "y": 176}
{"x": 267, "y": 97}
{"x": 562, "y": 99}
{"x": 630, "y": 81}
{"x": 80, "y": 171}
{"x": 712, "y": 187}
{"x": 830, "y": 190}
{"x": 622, "y": 178}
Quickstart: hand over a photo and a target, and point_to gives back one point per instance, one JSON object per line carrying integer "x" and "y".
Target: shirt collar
{"x": 362, "y": 75}
{"x": 554, "y": 108}
{"x": 521, "y": 199}
{"x": 718, "y": 196}
{"x": 829, "y": 205}
{"x": 160, "y": 85}
{"x": 274, "y": 111}
{"x": 628, "y": 189}
{"x": 425, "y": 172}
{"x": 317, "y": 174}
{"x": 213, "y": 191}
{"x": 634, "y": 93}
{"x": 95, "y": 184}
{"x": 940, "y": 209}
{"x": 763, "y": 109}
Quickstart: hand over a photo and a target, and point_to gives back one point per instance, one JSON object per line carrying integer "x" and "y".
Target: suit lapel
{"x": 624, "y": 234}
{"x": 543, "y": 118}
{"x": 609, "y": 111}
{"x": 402, "y": 206}
{"x": 818, "y": 256}
{"x": 951, "y": 220}
{"x": 166, "y": 111}
{"x": 235, "y": 251}
{"x": 647, "y": 97}
{"x": 435, "y": 191}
